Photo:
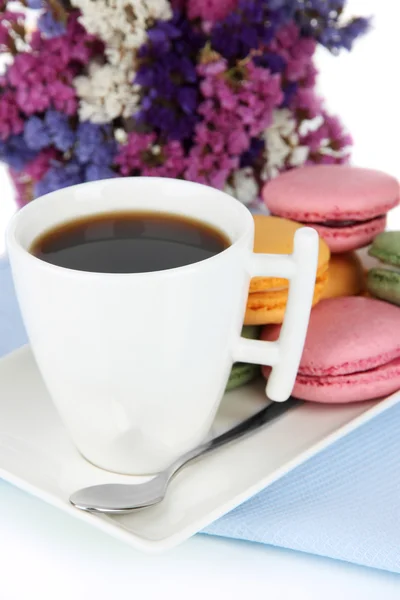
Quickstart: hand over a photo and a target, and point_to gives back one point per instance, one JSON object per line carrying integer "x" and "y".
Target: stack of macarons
{"x": 352, "y": 350}
{"x": 346, "y": 205}
{"x": 268, "y": 295}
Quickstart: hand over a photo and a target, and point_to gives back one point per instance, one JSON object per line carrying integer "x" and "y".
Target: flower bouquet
{"x": 221, "y": 92}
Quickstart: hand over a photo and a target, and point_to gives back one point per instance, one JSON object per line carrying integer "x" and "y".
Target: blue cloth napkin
{"x": 343, "y": 503}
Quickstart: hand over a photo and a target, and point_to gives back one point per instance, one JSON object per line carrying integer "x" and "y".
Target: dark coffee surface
{"x": 129, "y": 242}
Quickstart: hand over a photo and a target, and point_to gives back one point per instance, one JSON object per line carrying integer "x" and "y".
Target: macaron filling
{"x": 386, "y": 267}
{"x": 341, "y": 224}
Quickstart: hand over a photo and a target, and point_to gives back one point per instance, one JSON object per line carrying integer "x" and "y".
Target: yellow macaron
{"x": 345, "y": 276}
{"x": 268, "y": 295}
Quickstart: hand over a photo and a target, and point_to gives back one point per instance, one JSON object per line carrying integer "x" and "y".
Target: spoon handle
{"x": 243, "y": 429}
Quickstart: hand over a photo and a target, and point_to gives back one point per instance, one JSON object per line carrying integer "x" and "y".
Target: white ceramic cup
{"x": 137, "y": 363}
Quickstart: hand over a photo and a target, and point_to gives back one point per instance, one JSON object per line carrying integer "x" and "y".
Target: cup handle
{"x": 284, "y": 355}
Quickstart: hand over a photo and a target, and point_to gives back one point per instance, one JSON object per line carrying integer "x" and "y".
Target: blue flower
{"x": 96, "y": 172}
{"x": 50, "y": 26}
{"x": 54, "y": 129}
{"x": 35, "y": 4}
{"x": 320, "y": 19}
{"x": 95, "y": 144}
{"x": 272, "y": 61}
{"x": 255, "y": 22}
{"x": 36, "y": 134}
{"x": 60, "y": 131}
{"x": 15, "y": 152}
{"x": 343, "y": 37}
{"x": 168, "y": 77}
{"x": 59, "y": 176}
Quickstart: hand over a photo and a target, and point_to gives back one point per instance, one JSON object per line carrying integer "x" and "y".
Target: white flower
{"x": 299, "y": 156}
{"x": 244, "y": 186}
{"x": 283, "y": 122}
{"x": 121, "y": 136}
{"x": 106, "y": 93}
{"x": 121, "y": 23}
{"x": 282, "y": 144}
{"x": 158, "y": 9}
{"x": 124, "y": 58}
{"x": 108, "y": 90}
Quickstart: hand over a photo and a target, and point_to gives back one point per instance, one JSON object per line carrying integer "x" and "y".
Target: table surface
{"x": 47, "y": 555}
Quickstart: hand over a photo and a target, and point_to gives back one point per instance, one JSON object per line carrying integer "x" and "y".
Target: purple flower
{"x": 143, "y": 155}
{"x": 168, "y": 77}
{"x": 11, "y": 121}
{"x": 95, "y": 144}
{"x": 328, "y": 143}
{"x": 250, "y": 26}
{"x": 62, "y": 136}
{"x": 210, "y": 168}
{"x": 289, "y": 89}
{"x": 240, "y": 99}
{"x": 60, "y": 175}
{"x": 306, "y": 103}
{"x": 210, "y": 10}
{"x": 132, "y": 155}
{"x": 73, "y": 49}
{"x": 272, "y": 61}
{"x": 237, "y": 107}
{"x": 43, "y": 77}
{"x": 50, "y": 26}
{"x": 15, "y": 152}
{"x": 292, "y": 56}
{"x": 296, "y": 52}
{"x": 253, "y": 154}
{"x": 38, "y": 167}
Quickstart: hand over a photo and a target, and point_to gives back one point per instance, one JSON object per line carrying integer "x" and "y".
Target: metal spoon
{"x": 117, "y": 498}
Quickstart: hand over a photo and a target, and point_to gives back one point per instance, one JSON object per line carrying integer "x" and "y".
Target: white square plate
{"x": 37, "y": 456}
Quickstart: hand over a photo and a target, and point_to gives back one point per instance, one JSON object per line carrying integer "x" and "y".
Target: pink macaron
{"x": 346, "y": 205}
{"x": 352, "y": 351}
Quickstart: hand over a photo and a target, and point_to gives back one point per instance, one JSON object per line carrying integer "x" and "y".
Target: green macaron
{"x": 386, "y": 247}
{"x": 383, "y": 281}
{"x": 243, "y": 373}
{"x": 384, "y": 284}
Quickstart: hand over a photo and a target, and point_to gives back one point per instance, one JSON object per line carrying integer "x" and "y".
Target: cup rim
{"x": 14, "y": 245}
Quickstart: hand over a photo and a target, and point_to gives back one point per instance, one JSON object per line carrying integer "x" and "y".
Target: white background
{"x": 47, "y": 555}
